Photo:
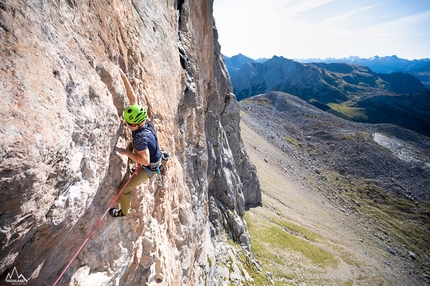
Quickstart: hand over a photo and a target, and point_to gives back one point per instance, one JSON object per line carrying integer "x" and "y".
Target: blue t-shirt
{"x": 146, "y": 138}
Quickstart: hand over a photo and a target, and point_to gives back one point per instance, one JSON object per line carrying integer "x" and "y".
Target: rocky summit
{"x": 62, "y": 102}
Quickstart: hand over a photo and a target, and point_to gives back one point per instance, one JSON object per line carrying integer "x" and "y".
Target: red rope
{"x": 97, "y": 224}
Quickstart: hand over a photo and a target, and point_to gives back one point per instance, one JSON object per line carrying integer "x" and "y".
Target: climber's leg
{"x": 125, "y": 197}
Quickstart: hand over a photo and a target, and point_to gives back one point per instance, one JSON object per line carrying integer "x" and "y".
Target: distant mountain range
{"x": 347, "y": 90}
{"x": 418, "y": 68}
{"x": 390, "y": 64}
{"x": 236, "y": 62}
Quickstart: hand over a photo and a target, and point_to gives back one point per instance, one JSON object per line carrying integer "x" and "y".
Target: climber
{"x": 146, "y": 151}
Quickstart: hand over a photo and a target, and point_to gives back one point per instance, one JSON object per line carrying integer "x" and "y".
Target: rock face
{"x": 62, "y": 99}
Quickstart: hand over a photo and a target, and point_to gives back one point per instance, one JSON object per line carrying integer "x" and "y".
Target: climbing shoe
{"x": 116, "y": 212}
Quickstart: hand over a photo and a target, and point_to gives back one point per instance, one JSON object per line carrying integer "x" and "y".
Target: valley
{"x": 344, "y": 203}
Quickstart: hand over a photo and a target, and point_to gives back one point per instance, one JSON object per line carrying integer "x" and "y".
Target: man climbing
{"x": 146, "y": 151}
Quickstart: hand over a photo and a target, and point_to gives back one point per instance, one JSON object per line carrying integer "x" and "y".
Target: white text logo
{"x": 15, "y": 278}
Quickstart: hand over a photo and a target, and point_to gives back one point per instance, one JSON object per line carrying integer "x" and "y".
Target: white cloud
{"x": 349, "y": 14}
{"x": 408, "y": 36}
{"x": 306, "y": 28}
{"x": 369, "y": 7}
{"x": 296, "y": 7}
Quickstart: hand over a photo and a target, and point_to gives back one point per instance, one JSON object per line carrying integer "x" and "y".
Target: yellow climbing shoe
{"x": 116, "y": 212}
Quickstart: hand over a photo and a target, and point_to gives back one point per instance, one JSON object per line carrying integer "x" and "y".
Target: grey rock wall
{"x": 62, "y": 100}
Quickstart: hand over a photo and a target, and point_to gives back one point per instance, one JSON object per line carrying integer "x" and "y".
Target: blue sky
{"x": 300, "y": 29}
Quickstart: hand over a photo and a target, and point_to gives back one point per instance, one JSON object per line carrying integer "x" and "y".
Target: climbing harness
{"x": 136, "y": 170}
{"x": 159, "y": 167}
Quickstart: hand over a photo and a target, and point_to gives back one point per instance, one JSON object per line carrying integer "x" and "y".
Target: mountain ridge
{"x": 350, "y": 91}
{"x": 420, "y": 68}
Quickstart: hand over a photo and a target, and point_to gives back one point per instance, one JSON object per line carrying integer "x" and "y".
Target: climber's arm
{"x": 129, "y": 90}
{"x": 142, "y": 157}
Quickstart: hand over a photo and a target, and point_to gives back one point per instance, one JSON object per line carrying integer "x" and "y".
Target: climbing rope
{"x": 136, "y": 170}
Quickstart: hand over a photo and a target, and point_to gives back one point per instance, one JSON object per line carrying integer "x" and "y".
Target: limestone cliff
{"x": 61, "y": 105}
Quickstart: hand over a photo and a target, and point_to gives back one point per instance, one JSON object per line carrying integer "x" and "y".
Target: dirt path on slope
{"x": 287, "y": 195}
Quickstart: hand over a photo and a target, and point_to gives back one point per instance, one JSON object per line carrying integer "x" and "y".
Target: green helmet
{"x": 135, "y": 114}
